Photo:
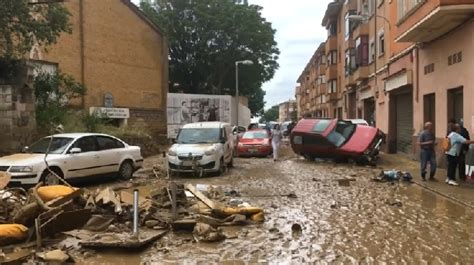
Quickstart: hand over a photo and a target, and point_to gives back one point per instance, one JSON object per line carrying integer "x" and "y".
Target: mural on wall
{"x": 187, "y": 108}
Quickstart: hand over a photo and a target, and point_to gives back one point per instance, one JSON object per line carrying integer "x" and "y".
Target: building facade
{"x": 395, "y": 64}
{"x": 287, "y": 111}
{"x": 125, "y": 68}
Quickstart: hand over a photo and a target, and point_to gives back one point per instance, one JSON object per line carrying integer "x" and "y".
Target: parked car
{"x": 358, "y": 122}
{"x": 72, "y": 156}
{"x": 202, "y": 147}
{"x": 285, "y": 128}
{"x": 339, "y": 139}
{"x": 255, "y": 143}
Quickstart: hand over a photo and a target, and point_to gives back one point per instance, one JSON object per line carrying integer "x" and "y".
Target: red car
{"x": 338, "y": 139}
{"x": 255, "y": 142}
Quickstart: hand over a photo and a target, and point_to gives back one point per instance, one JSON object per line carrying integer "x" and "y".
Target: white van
{"x": 202, "y": 147}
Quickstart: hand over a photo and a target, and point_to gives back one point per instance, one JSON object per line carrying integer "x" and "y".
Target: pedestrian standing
{"x": 452, "y": 156}
{"x": 276, "y": 140}
{"x": 427, "y": 143}
{"x": 462, "y": 155}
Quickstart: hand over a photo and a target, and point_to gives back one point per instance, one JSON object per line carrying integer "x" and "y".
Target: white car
{"x": 202, "y": 147}
{"x": 358, "y": 122}
{"x": 72, "y": 156}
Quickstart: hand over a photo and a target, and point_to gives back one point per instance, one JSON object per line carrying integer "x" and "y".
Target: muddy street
{"x": 338, "y": 215}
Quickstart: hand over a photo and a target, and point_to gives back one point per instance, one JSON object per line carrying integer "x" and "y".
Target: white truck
{"x": 189, "y": 108}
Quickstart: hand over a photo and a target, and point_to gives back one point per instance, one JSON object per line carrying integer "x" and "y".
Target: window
{"x": 371, "y": 7}
{"x": 429, "y": 68}
{"x": 350, "y": 62}
{"x": 362, "y": 51}
{"x": 405, "y": 7}
{"x": 87, "y": 144}
{"x": 381, "y": 43}
{"x": 364, "y": 7}
{"x": 372, "y": 51}
{"x": 332, "y": 86}
{"x": 455, "y": 58}
{"x": 321, "y": 126}
{"x": 332, "y": 29}
{"x": 349, "y": 24}
{"x": 322, "y": 59}
{"x": 332, "y": 57}
{"x": 106, "y": 143}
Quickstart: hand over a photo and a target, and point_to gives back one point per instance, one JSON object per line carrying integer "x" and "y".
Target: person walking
{"x": 276, "y": 140}
{"x": 452, "y": 156}
{"x": 427, "y": 143}
{"x": 462, "y": 155}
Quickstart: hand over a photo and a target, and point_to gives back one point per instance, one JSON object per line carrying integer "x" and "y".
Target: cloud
{"x": 299, "y": 33}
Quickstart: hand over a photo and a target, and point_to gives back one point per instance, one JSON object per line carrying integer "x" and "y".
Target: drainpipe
{"x": 417, "y": 63}
{"x": 82, "y": 52}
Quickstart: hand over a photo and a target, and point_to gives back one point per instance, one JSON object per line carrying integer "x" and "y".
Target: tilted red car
{"x": 255, "y": 142}
{"x": 331, "y": 138}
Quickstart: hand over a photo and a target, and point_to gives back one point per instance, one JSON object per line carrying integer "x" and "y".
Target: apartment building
{"x": 286, "y": 111}
{"x": 398, "y": 64}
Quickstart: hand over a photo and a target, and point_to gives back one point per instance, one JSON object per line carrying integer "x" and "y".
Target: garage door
{"x": 404, "y": 122}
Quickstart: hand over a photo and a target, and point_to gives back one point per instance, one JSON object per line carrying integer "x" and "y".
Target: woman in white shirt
{"x": 276, "y": 140}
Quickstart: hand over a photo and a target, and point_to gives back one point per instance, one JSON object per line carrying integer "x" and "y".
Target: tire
{"x": 309, "y": 157}
{"x": 50, "y": 179}
{"x": 222, "y": 167}
{"x": 126, "y": 170}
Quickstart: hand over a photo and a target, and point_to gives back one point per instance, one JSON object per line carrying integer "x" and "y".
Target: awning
{"x": 399, "y": 80}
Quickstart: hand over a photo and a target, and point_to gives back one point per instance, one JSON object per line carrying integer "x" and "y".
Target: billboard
{"x": 188, "y": 108}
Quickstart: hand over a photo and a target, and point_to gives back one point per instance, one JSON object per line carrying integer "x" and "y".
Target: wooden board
{"x": 123, "y": 240}
{"x": 201, "y": 196}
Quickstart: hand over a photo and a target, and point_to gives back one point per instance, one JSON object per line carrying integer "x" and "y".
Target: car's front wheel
{"x": 126, "y": 170}
{"x": 222, "y": 167}
{"x": 51, "y": 176}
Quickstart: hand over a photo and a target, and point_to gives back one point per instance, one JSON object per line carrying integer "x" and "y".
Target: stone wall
{"x": 17, "y": 112}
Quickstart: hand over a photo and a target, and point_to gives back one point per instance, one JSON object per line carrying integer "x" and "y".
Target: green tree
{"x": 53, "y": 94}
{"x": 207, "y": 37}
{"x": 271, "y": 114}
{"x": 24, "y": 24}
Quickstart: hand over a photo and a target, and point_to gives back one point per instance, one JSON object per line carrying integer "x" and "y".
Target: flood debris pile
{"x": 60, "y": 222}
{"x": 393, "y": 175}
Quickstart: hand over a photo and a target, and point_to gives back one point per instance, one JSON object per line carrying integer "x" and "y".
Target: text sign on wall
{"x": 111, "y": 113}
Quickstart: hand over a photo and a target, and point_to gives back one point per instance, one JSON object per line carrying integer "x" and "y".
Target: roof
{"x": 308, "y": 125}
{"x": 208, "y": 124}
{"x": 77, "y": 135}
{"x": 144, "y": 17}
{"x": 321, "y": 48}
{"x": 332, "y": 10}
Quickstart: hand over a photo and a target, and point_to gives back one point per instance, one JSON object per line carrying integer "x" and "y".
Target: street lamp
{"x": 244, "y": 62}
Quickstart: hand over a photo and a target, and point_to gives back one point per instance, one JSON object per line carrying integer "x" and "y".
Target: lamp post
{"x": 244, "y": 62}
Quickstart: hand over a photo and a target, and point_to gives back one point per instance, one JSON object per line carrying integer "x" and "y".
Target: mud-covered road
{"x": 354, "y": 220}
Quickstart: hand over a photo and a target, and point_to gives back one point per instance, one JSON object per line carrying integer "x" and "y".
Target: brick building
{"x": 286, "y": 110}
{"x": 120, "y": 56}
{"x": 395, "y": 64}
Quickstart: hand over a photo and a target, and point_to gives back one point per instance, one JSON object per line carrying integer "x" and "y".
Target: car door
{"x": 110, "y": 151}
{"x": 87, "y": 162}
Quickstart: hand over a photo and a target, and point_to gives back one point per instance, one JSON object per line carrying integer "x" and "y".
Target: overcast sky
{"x": 299, "y": 32}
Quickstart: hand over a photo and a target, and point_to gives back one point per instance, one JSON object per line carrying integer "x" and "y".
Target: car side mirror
{"x": 25, "y": 149}
{"x": 75, "y": 150}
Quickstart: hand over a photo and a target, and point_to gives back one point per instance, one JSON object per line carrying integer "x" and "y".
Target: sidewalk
{"x": 463, "y": 194}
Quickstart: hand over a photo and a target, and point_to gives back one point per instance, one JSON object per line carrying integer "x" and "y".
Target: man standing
{"x": 462, "y": 155}
{"x": 427, "y": 152}
{"x": 452, "y": 155}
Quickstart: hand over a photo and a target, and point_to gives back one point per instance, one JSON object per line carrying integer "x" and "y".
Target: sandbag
{"x": 48, "y": 193}
{"x": 12, "y": 232}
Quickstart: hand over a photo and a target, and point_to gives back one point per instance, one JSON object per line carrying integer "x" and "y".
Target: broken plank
{"x": 123, "y": 240}
{"x": 201, "y": 196}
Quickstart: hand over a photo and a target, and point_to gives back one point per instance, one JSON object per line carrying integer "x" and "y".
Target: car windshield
{"x": 341, "y": 133}
{"x": 255, "y": 135}
{"x": 199, "y": 136}
{"x": 58, "y": 145}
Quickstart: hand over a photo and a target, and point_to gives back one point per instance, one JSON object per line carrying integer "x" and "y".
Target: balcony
{"x": 331, "y": 97}
{"x": 331, "y": 72}
{"x": 331, "y": 43}
{"x": 361, "y": 73}
{"x": 434, "y": 19}
{"x": 349, "y": 44}
{"x": 360, "y": 30}
{"x": 350, "y": 80}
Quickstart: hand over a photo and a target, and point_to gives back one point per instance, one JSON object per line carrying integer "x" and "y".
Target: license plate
{"x": 187, "y": 163}
{"x": 253, "y": 150}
